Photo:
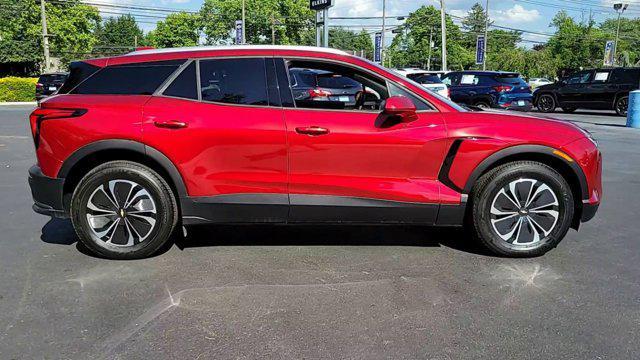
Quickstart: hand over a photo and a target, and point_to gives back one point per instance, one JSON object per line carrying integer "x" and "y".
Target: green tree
{"x": 412, "y": 49}
{"x": 178, "y": 29}
{"x": 119, "y": 34}
{"x": 629, "y": 41}
{"x": 574, "y": 44}
{"x": 292, "y": 21}
{"x": 347, "y": 40}
{"x": 474, "y": 23}
{"x": 71, "y": 25}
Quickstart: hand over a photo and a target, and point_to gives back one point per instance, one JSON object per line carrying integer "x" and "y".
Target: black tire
{"x": 546, "y": 103}
{"x": 145, "y": 214}
{"x": 568, "y": 110}
{"x": 622, "y": 105}
{"x": 482, "y": 105}
{"x": 493, "y": 230}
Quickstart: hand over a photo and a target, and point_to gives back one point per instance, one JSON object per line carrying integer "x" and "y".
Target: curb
{"x": 18, "y": 103}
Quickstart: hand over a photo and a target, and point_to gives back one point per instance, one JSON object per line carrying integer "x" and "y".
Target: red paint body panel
{"x": 357, "y": 158}
{"x": 224, "y": 149}
{"x": 228, "y": 149}
{"x": 107, "y": 117}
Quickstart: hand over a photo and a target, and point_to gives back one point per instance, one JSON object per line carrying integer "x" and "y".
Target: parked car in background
{"x": 597, "y": 89}
{"x": 489, "y": 89}
{"x": 535, "y": 82}
{"x": 428, "y": 79}
{"x": 49, "y": 83}
{"x": 319, "y": 85}
{"x": 135, "y": 146}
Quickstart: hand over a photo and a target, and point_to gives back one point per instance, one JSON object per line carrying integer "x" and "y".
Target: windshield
{"x": 510, "y": 79}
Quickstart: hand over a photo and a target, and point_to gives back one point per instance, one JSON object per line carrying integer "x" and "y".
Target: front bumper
{"x": 47, "y": 193}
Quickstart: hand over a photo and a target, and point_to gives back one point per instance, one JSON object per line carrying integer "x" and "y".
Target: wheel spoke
{"x": 117, "y": 225}
{"x": 524, "y": 212}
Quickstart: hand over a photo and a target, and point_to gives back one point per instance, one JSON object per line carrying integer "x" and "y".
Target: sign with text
{"x": 377, "y": 52}
{"x": 239, "y": 25}
{"x": 609, "y": 48}
{"x": 320, "y": 4}
{"x": 480, "y": 50}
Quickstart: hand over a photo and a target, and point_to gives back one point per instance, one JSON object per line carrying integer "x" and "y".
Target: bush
{"x": 17, "y": 89}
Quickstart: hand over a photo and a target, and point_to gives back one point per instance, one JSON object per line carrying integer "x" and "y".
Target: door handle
{"x": 312, "y": 130}
{"x": 170, "y": 124}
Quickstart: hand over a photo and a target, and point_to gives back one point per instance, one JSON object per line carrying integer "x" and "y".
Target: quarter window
{"x": 234, "y": 81}
{"x": 130, "y": 79}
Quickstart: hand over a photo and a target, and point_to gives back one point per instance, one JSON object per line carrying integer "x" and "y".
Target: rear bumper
{"x": 47, "y": 193}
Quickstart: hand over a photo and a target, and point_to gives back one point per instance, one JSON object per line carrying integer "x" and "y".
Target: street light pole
{"x": 45, "y": 37}
{"x": 444, "y": 36}
{"x": 486, "y": 33}
{"x": 619, "y": 8}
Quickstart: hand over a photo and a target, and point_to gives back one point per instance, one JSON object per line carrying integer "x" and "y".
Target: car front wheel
{"x": 521, "y": 209}
{"x": 123, "y": 210}
{"x": 546, "y": 103}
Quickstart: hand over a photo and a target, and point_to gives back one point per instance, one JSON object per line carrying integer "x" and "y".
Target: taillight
{"x": 502, "y": 88}
{"x": 448, "y": 93}
{"x": 38, "y": 85}
{"x": 41, "y": 114}
{"x": 315, "y": 93}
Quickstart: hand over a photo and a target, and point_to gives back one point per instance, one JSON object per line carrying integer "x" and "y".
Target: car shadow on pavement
{"x": 60, "y": 232}
{"x": 329, "y": 235}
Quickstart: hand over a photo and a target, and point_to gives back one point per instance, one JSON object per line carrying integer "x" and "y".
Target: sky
{"x": 529, "y": 15}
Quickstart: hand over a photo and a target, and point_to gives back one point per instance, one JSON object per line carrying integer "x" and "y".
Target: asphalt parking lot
{"x": 322, "y": 292}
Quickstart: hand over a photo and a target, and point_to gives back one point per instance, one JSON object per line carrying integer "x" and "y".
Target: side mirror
{"x": 402, "y": 107}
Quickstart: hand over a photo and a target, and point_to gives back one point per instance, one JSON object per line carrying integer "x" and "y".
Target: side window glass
{"x": 184, "y": 86}
{"x": 234, "y": 81}
{"x": 133, "y": 79}
{"x": 446, "y": 80}
{"x": 601, "y": 76}
{"x": 321, "y": 85}
{"x": 469, "y": 79}
{"x": 582, "y": 77}
{"x": 397, "y": 91}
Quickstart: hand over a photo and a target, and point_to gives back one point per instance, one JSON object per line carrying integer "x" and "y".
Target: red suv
{"x": 134, "y": 146}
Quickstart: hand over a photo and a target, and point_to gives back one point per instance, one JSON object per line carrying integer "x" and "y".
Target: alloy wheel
{"x": 546, "y": 103}
{"x": 524, "y": 212}
{"x": 121, "y": 213}
{"x": 622, "y": 106}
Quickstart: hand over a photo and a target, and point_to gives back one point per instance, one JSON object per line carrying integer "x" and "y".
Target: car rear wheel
{"x": 123, "y": 210}
{"x": 521, "y": 209}
{"x": 546, "y": 103}
{"x": 482, "y": 105}
{"x": 622, "y": 105}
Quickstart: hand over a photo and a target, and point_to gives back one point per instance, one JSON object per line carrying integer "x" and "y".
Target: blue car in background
{"x": 489, "y": 89}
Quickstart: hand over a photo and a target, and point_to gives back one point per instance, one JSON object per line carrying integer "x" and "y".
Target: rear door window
{"x": 511, "y": 79}
{"x": 234, "y": 81}
{"x": 130, "y": 79}
{"x": 626, "y": 76}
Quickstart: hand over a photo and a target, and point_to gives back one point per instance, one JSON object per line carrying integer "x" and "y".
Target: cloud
{"x": 515, "y": 15}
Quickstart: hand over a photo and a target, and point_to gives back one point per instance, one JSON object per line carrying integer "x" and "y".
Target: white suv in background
{"x": 428, "y": 79}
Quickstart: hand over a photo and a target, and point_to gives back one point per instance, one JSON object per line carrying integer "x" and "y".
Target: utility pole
{"x": 384, "y": 15}
{"x": 486, "y": 33}
{"x": 135, "y": 41}
{"x": 45, "y": 37}
{"x": 244, "y": 24}
{"x": 619, "y": 8}
{"x": 325, "y": 30}
{"x": 443, "y": 25}
{"x": 430, "y": 47}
